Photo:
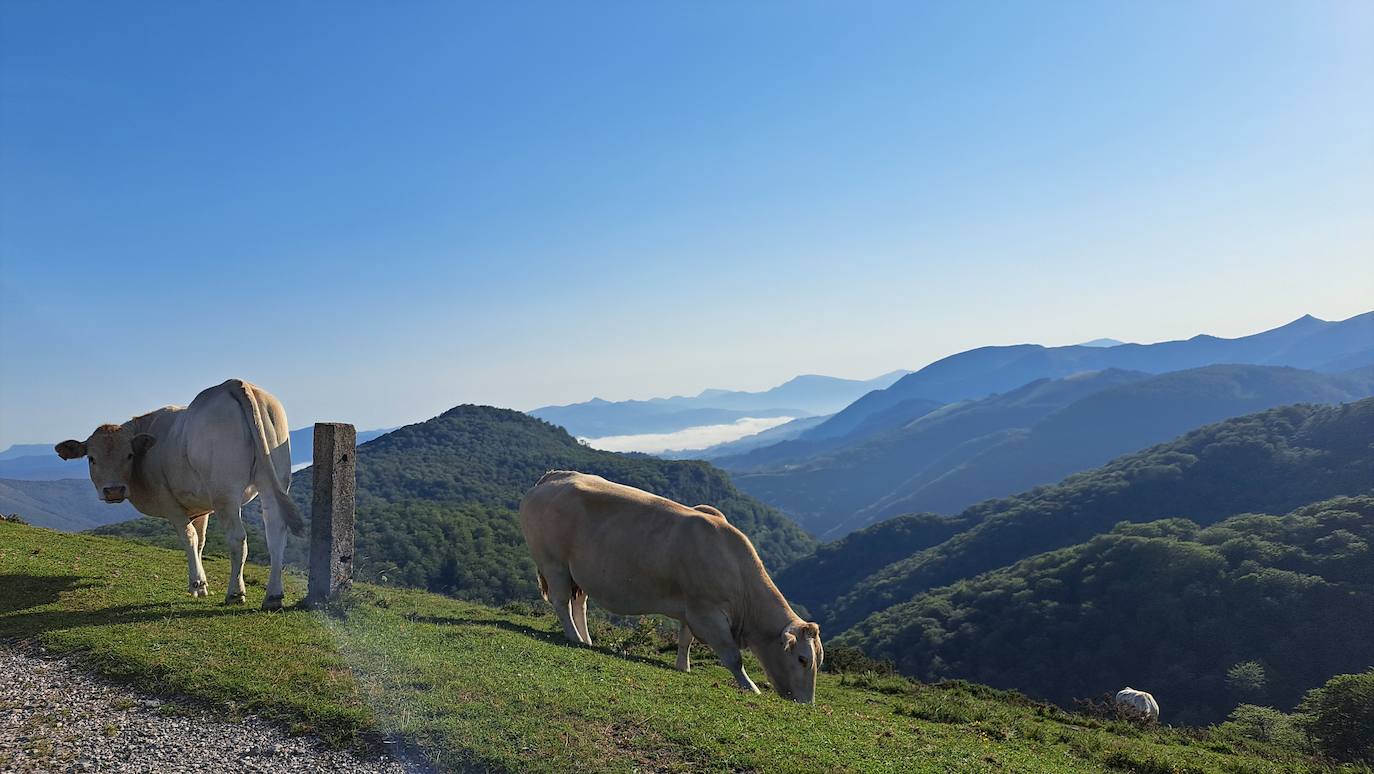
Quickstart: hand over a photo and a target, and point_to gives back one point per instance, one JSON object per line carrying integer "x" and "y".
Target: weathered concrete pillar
{"x": 331, "y": 511}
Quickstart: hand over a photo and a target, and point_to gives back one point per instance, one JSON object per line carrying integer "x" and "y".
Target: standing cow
{"x": 636, "y": 553}
{"x": 1140, "y": 701}
{"x": 181, "y": 463}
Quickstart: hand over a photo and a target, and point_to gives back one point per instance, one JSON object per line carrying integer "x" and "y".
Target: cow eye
{"x": 801, "y": 661}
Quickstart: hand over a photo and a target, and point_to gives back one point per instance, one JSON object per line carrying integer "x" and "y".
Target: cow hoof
{"x": 273, "y": 603}
{"x": 235, "y": 599}
{"x": 199, "y": 589}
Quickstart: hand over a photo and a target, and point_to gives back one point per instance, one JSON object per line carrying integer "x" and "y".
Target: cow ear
{"x": 789, "y": 640}
{"x": 70, "y": 450}
{"x": 812, "y": 630}
{"x": 143, "y": 442}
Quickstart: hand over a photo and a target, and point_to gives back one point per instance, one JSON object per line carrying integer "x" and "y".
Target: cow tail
{"x": 285, "y": 507}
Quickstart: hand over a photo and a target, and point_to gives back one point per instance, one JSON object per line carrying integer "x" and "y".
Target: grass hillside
{"x": 1270, "y": 462}
{"x": 437, "y": 500}
{"x": 1167, "y": 605}
{"x": 472, "y": 687}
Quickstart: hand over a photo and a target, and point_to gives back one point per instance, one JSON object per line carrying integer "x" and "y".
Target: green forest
{"x": 1270, "y": 462}
{"x": 1254, "y": 609}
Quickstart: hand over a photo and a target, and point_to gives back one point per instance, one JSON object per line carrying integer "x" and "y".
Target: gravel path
{"x": 55, "y": 718}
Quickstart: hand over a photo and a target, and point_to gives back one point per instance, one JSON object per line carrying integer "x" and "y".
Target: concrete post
{"x": 331, "y": 511}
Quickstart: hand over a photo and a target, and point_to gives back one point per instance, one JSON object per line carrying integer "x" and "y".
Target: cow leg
{"x": 560, "y": 591}
{"x": 195, "y": 573}
{"x": 227, "y": 511}
{"x": 200, "y": 523}
{"x": 684, "y": 648}
{"x": 579, "y": 615}
{"x": 276, "y": 529}
{"x": 713, "y": 628}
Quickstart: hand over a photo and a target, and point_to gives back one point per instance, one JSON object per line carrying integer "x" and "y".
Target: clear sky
{"x": 380, "y": 210}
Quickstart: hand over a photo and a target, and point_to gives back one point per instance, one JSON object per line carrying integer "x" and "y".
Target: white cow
{"x": 1140, "y": 701}
{"x": 181, "y": 463}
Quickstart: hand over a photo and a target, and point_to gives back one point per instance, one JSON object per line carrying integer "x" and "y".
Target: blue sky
{"x": 378, "y": 211}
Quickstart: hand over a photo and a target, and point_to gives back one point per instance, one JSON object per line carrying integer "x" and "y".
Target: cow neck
{"x": 766, "y": 613}
{"x": 142, "y": 492}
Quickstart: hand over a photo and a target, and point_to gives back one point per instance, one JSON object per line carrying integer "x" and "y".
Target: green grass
{"x": 473, "y": 686}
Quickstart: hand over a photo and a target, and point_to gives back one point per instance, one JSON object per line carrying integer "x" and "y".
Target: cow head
{"x": 111, "y": 452}
{"x": 792, "y": 660}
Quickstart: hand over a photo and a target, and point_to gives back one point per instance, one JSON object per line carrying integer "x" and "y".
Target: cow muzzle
{"x": 114, "y": 494}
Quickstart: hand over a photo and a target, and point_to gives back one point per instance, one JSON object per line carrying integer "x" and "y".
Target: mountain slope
{"x": 1167, "y": 605}
{"x": 1090, "y": 431}
{"x": 1304, "y": 343}
{"x": 437, "y": 500}
{"x": 814, "y": 581}
{"x": 828, "y": 488}
{"x": 25, "y": 450}
{"x": 1270, "y": 462}
{"x": 68, "y": 504}
{"x": 801, "y": 396}
{"x": 40, "y": 467}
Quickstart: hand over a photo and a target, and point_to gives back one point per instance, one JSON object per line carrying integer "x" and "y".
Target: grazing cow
{"x": 1140, "y": 701}
{"x": 215, "y": 455}
{"x": 684, "y": 632}
{"x": 636, "y": 553}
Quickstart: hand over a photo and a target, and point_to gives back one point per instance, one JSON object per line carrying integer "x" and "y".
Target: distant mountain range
{"x": 70, "y": 505}
{"x": 1306, "y": 343}
{"x": 25, "y": 450}
{"x": 803, "y": 396}
{"x": 38, "y": 462}
{"x": 951, "y": 458}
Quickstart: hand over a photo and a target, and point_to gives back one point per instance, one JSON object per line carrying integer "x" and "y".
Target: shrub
{"x": 1247, "y": 680}
{"x": 1266, "y": 724}
{"x": 847, "y": 659}
{"x": 1339, "y": 717}
{"x": 1106, "y": 707}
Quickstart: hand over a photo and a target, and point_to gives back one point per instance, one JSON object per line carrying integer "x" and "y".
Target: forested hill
{"x": 1254, "y": 609}
{"x": 437, "y": 500}
{"x": 1270, "y": 462}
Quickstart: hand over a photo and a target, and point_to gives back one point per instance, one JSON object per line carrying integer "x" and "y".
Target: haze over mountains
{"x": 802, "y": 396}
